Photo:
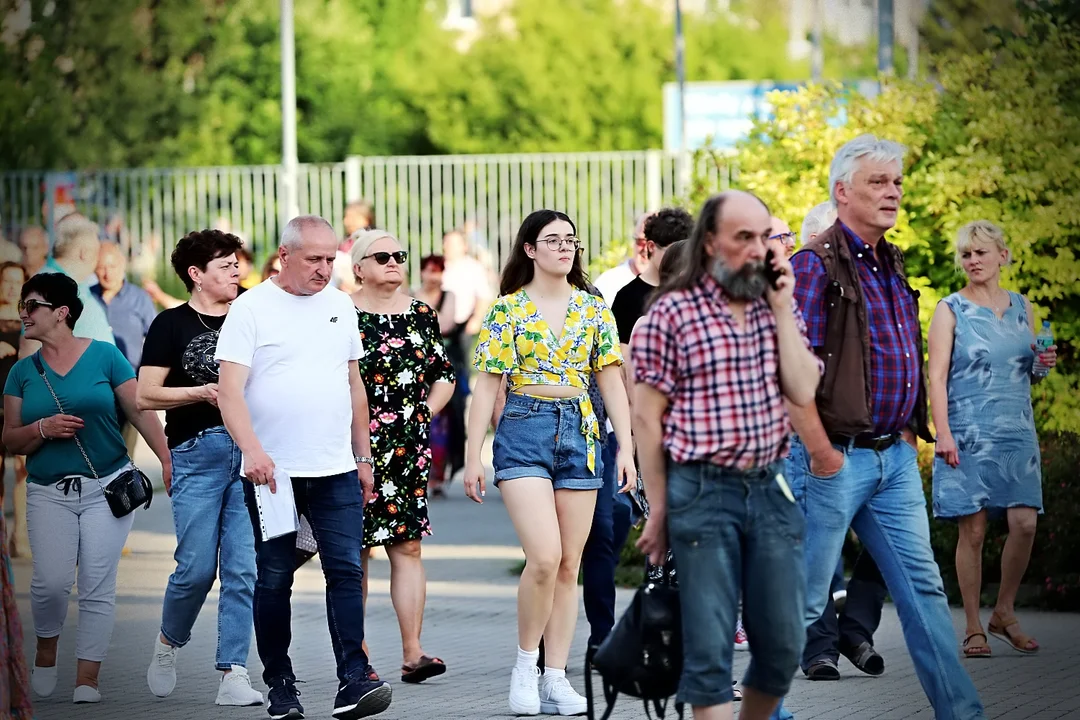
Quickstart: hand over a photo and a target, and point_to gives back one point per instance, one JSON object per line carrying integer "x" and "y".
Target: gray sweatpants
{"x": 69, "y": 533}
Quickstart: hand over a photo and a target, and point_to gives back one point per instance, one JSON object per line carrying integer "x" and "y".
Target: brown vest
{"x": 844, "y": 398}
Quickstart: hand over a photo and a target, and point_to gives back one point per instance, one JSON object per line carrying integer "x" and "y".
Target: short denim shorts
{"x": 540, "y": 437}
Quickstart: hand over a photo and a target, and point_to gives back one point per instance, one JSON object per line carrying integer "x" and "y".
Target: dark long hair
{"x": 519, "y": 269}
{"x": 695, "y": 261}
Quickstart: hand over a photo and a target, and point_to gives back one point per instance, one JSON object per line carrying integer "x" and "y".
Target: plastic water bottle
{"x": 1043, "y": 341}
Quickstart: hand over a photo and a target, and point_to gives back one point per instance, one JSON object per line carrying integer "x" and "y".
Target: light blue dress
{"x": 990, "y": 413}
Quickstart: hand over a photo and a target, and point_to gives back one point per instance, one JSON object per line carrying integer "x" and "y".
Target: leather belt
{"x": 866, "y": 441}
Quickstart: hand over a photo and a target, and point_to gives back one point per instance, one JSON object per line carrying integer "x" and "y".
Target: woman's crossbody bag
{"x": 129, "y": 489}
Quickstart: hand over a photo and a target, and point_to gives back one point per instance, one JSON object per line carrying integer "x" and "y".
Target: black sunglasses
{"x": 384, "y": 257}
{"x": 31, "y": 305}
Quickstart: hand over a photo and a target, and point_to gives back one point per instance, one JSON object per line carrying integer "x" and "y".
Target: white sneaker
{"x": 235, "y": 689}
{"x": 161, "y": 675}
{"x": 86, "y": 694}
{"x": 43, "y": 680}
{"x": 525, "y": 690}
{"x": 558, "y": 697}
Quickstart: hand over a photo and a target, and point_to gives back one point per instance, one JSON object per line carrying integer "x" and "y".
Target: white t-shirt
{"x": 612, "y": 281}
{"x": 299, "y": 349}
{"x": 467, "y": 278}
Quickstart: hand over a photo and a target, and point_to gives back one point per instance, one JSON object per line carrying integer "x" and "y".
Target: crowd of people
{"x": 759, "y": 403}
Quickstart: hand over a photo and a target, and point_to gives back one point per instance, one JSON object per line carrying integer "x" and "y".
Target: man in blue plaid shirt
{"x": 854, "y": 462}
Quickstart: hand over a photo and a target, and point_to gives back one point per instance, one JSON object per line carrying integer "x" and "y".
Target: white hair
{"x": 363, "y": 240}
{"x": 847, "y": 157}
{"x": 72, "y": 234}
{"x": 819, "y": 219}
{"x": 292, "y": 236}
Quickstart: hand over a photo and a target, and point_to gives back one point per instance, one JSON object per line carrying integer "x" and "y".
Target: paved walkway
{"x": 470, "y": 622}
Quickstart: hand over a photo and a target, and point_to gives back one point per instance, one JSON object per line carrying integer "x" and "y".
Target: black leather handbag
{"x": 126, "y": 491}
{"x": 642, "y": 656}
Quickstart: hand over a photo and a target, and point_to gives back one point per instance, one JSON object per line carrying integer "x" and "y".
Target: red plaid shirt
{"x": 725, "y": 404}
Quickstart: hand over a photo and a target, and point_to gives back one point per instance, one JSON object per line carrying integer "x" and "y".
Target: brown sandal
{"x": 1022, "y": 643}
{"x": 976, "y": 651}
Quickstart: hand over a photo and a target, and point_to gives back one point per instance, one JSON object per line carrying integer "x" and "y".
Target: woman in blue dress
{"x": 982, "y": 351}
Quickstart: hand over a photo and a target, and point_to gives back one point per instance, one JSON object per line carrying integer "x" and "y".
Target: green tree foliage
{"x": 998, "y": 139}
{"x": 197, "y": 82}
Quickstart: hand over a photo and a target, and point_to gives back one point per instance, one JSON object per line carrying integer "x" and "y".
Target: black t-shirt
{"x": 629, "y": 306}
{"x": 185, "y": 342}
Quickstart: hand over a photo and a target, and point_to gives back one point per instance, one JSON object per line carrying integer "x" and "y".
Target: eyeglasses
{"x": 556, "y": 243}
{"x": 384, "y": 257}
{"x": 787, "y": 239}
{"x": 31, "y": 305}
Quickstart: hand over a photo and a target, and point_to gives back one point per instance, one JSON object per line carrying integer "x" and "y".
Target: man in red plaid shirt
{"x": 715, "y": 358}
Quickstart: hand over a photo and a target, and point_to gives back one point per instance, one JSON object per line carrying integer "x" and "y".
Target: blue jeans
{"x": 610, "y": 526}
{"x": 211, "y": 523}
{"x": 736, "y": 532}
{"x": 880, "y": 496}
{"x": 335, "y": 508}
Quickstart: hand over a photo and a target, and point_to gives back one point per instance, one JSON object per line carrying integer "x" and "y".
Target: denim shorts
{"x": 540, "y": 437}
{"x": 736, "y": 532}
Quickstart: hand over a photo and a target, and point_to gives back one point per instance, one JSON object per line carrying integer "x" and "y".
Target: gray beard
{"x": 748, "y": 283}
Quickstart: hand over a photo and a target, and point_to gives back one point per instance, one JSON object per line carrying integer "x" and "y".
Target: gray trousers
{"x": 69, "y": 534}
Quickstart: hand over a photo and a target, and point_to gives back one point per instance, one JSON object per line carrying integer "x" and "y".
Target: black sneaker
{"x": 282, "y": 702}
{"x": 362, "y": 698}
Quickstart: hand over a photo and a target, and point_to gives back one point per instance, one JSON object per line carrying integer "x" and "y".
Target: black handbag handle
{"x": 60, "y": 407}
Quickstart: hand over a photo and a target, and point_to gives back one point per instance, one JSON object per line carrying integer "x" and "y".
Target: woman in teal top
{"x": 71, "y": 526}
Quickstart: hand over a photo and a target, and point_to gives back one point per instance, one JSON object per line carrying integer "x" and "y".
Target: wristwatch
{"x": 364, "y": 459}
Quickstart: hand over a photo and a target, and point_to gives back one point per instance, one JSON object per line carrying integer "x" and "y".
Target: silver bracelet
{"x": 41, "y": 431}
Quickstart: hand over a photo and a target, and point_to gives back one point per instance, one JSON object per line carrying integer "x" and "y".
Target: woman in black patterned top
{"x": 409, "y": 379}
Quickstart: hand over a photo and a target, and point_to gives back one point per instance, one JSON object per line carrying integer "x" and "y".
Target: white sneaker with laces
{"x": 558, "y": 697}
{"x": 161, "y": 675}
{"x": 43, "y": 680}
{"x": 235, "y": 689}
{"x": 86, "y": 694}
{"x": 525, "y": 690}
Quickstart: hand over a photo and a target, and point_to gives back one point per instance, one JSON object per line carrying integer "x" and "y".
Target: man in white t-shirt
{"x": 612, "y": 281}
{"x": 291, "y": 396}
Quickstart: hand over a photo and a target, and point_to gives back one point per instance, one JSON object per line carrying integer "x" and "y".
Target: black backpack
{"x": 642, "y": 657}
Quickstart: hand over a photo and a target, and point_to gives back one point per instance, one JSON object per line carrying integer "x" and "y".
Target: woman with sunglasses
{"x": 214, "y": 535}
{"x": 72, "y": 529}
{"x": 409, "y": 379}
{"x": 550, "y": 335}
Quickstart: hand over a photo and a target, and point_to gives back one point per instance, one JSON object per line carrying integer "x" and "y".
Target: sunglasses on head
{"x": 31, "y": 305}
{"x": 384, "y": 257}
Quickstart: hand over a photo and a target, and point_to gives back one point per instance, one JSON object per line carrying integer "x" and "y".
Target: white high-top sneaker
{"x": 235, "y": 689}
{"x": 524, "y": 690}
{"x": 161, "y": 675}
{"x": 558, "y": 697}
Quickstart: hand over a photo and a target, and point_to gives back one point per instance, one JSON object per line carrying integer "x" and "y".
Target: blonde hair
{"x": 363, "y": 240}
{"x": 984, "y": 232}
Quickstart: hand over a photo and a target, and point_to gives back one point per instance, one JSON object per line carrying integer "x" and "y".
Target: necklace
{"x": 199, "y": 315}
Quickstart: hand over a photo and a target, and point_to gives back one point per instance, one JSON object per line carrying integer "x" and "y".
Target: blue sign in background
{"x": 722, "y": 111}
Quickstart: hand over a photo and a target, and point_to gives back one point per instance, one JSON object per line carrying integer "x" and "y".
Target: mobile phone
{"x": 771, "y": 273}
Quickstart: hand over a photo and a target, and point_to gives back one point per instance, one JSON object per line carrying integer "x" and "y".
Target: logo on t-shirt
{"x": 198, "y": 358}
{"x": 333, "y": 319}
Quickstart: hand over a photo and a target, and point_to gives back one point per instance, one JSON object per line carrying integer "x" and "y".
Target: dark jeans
{"x": 832, "y": 634}
{"x": 610, "y": 526}
{"x": 335, "y": 508}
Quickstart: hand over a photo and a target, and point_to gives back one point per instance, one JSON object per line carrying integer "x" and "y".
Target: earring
{"x": 198, "y": 288}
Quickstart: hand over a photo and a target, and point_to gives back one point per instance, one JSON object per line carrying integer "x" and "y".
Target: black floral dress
{"x": 404, "y": 356}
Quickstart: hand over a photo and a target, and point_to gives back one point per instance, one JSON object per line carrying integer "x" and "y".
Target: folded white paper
{"x": 277, "y": 510}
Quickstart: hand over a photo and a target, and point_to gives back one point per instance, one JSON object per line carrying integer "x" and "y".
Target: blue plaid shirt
{"x": 893, "y": 315}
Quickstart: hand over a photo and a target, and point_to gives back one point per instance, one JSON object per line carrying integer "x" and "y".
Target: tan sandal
{"x": 972, "y": 650}
{"x": 1021, "y": 642}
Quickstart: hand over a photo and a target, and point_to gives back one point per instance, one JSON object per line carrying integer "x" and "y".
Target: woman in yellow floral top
{"x": 549, "y": 335}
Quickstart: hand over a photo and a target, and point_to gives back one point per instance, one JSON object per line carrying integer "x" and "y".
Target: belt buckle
{"x": 883, "y": 442}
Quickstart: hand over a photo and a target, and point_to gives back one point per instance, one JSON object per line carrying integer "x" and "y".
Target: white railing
{"x": 418, "y": 198}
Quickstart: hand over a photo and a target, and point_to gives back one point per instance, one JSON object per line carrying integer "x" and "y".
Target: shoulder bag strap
{"x": 41, "y": 372}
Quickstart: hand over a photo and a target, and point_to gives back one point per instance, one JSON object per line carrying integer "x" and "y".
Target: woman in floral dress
{"x": 409, "y": 379}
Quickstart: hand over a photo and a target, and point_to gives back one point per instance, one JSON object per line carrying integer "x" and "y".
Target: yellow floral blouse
{"x": 516, "y": 341}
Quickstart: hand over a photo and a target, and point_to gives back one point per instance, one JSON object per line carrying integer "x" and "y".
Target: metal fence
{"x": 416, "y": 198}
